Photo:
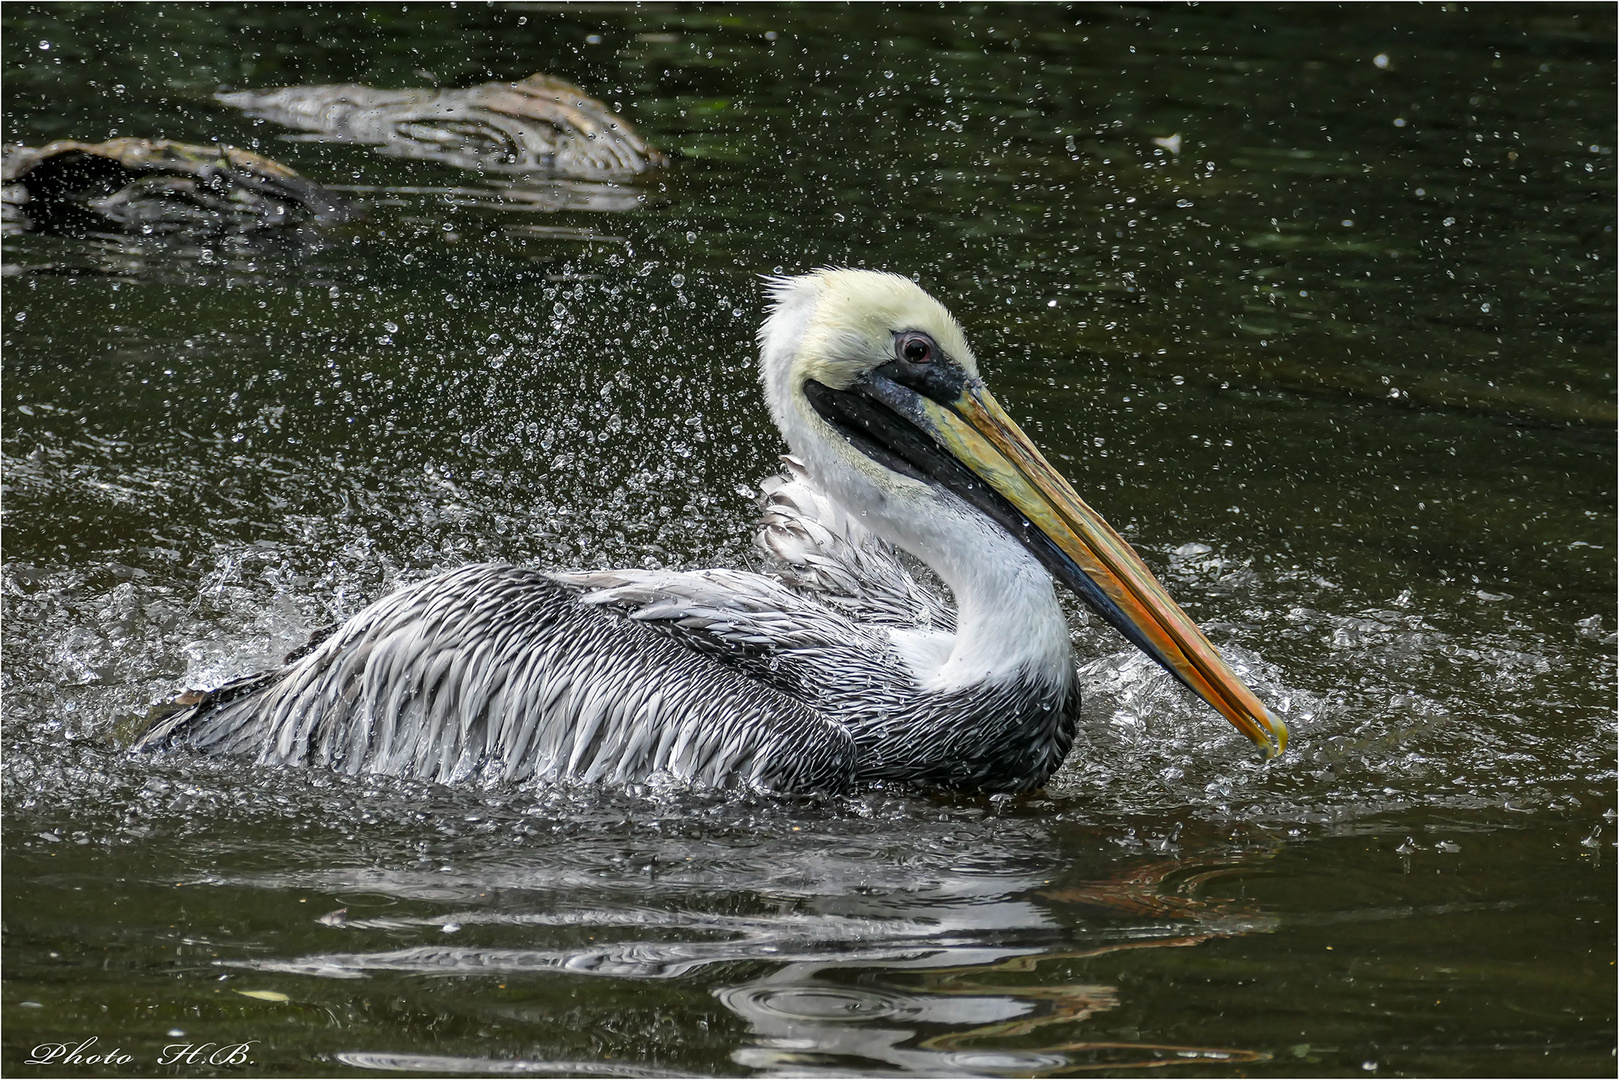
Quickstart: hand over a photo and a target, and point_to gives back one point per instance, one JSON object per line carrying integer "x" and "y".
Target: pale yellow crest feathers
{"x": 837, "y": 324}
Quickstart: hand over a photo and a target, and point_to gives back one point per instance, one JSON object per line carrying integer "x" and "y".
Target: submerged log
{"x": 537, "y": 125}
{"x": 156, "y": 186}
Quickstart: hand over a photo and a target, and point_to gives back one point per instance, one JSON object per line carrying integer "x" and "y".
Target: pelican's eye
{"x": 915, "y": 348}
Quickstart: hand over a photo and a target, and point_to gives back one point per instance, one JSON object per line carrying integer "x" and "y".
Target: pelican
{"x": 836, "y": 670}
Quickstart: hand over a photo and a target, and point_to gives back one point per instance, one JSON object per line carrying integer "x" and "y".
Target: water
{"x": 1316, "y": 306}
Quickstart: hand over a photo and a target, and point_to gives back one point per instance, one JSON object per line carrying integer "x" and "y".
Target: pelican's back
{"x": 500, "y": 672}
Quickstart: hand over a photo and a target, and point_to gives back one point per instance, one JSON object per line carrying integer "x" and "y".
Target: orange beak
{"x": 1102, "y": 568}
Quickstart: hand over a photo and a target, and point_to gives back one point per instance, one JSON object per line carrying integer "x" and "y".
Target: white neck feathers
{"x": 1009, "y": 622}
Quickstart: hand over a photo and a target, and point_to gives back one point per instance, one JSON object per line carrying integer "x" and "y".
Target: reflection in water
{"x": 944, "y": 968}
{"x": 439, "y": 1064}
{"x": 1069, "y": 1004}
{"x": 801, "y": 1017}
{"x": 520, "y": 193}
{"x": 261, "y": 258}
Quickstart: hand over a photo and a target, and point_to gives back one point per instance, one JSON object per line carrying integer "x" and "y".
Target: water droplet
{"x": 678, "y": 281}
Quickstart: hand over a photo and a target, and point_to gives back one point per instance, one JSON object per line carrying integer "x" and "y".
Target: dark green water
{"x": 1342, "y": 368}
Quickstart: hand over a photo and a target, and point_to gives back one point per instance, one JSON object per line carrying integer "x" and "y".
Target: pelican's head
{"x": 834, "y": 326}
{"x": 869, "y": 376}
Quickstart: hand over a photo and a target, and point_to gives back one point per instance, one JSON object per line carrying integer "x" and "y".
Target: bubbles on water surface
{"x": 1386, "y": 705}
{"x": 1383, "y": 700}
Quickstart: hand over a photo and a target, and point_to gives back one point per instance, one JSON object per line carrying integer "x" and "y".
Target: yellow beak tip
{"x": 1276, "y": 747}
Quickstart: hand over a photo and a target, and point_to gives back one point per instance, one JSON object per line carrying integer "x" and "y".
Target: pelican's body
{"x": 836, "y": 670}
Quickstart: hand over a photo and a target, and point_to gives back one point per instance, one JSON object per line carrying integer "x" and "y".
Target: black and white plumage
{"x": 837, "y": 669}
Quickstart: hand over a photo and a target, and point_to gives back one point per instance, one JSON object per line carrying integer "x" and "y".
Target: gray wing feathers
{"x": 733, "y": 606}
{"x": 823, "y": 550}
{"x": 824, "y": 617}
{"x": 768, "y": 632}
{"x": 502, "y": 673}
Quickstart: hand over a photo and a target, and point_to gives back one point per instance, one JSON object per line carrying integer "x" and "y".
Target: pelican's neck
{"x": 1008, "y": 624}
{"x": 1008, "y": 621}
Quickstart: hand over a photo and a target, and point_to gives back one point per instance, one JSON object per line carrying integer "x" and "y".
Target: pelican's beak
{"x": 1070, "y": 538}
